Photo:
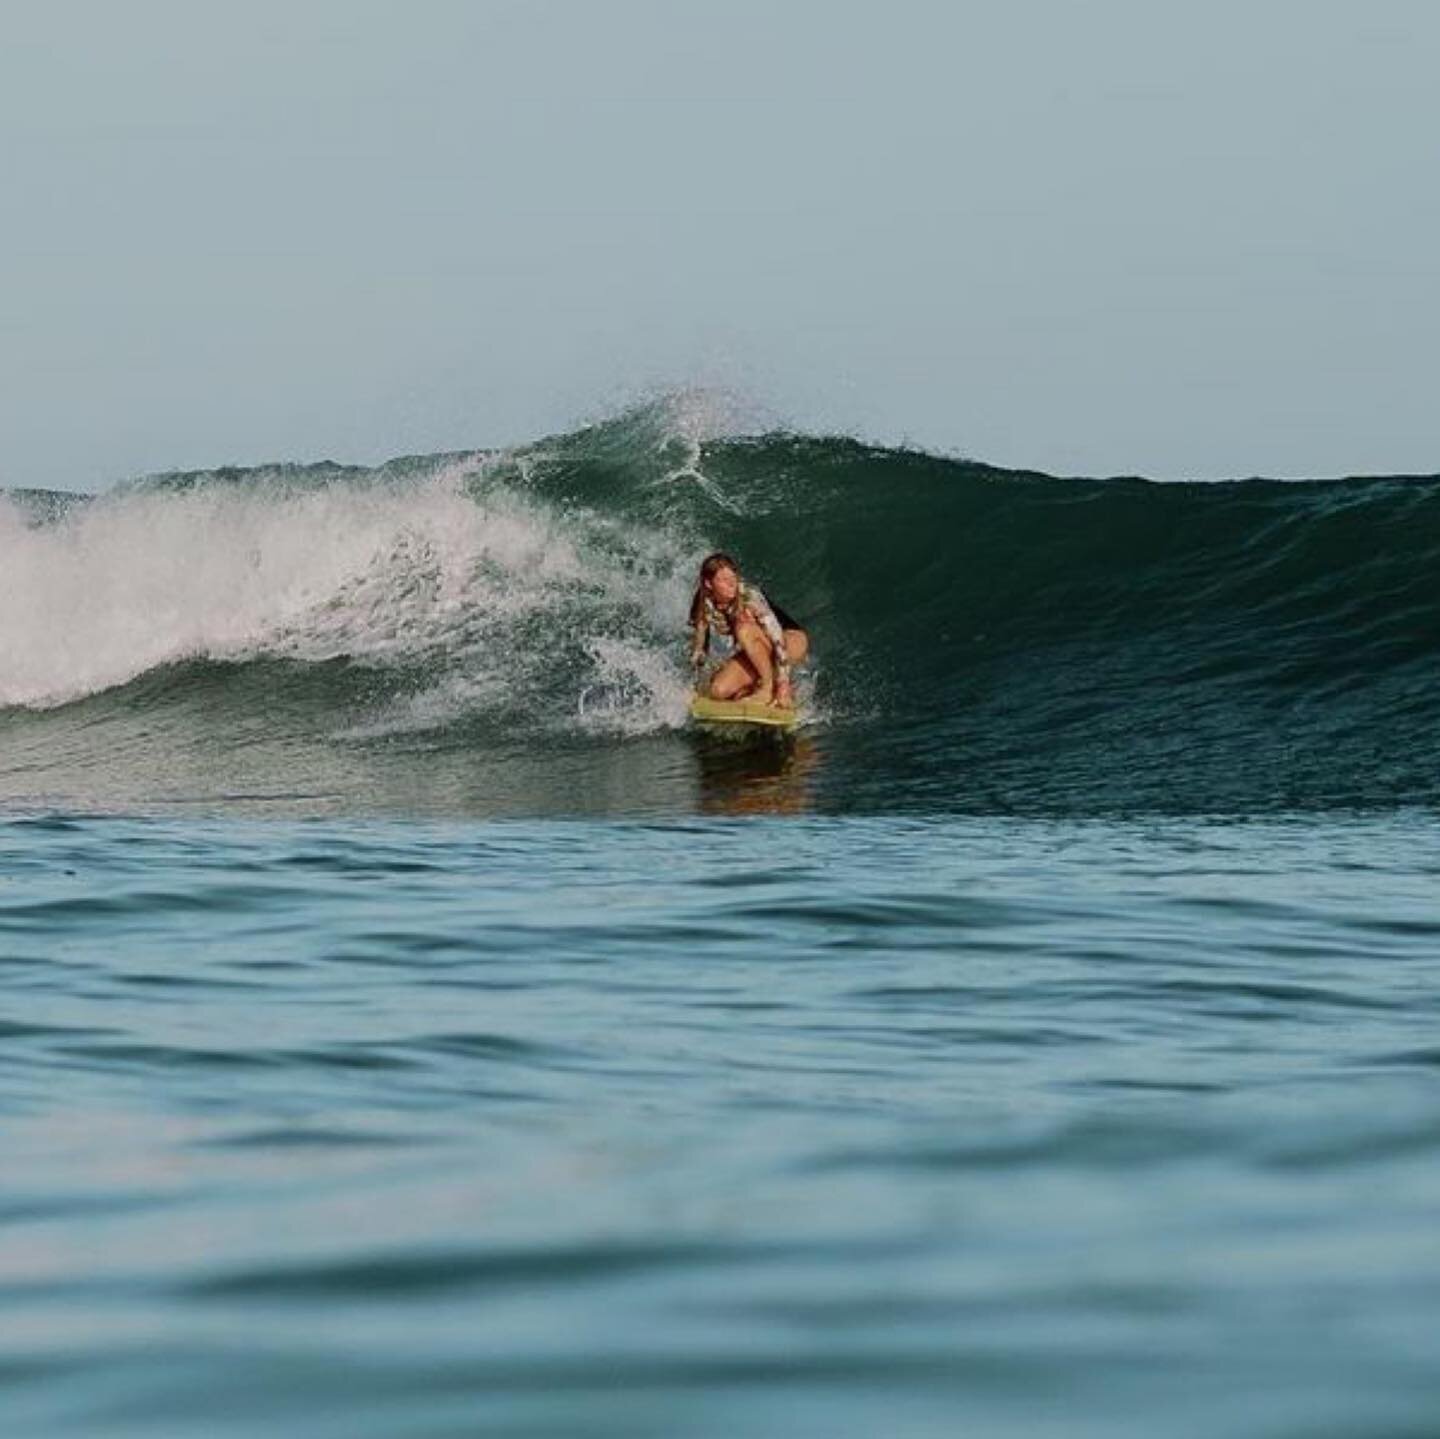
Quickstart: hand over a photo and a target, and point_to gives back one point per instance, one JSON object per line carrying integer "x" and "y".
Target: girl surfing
{"x": 764, "y": 641}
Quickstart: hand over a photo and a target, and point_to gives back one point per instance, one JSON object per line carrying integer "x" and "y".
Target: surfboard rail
{"x": 711, "y": 711}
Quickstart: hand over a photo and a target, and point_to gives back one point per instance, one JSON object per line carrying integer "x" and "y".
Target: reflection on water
{"x": 764, "y": 773}
{"x": 176, "y": 763}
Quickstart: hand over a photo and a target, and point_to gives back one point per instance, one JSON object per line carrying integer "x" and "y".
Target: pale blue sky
{"x": 1110, "y": 236}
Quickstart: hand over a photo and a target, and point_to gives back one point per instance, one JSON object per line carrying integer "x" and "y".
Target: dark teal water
{"x": 840, "y": 1126}
{"x": 502, "y": 633}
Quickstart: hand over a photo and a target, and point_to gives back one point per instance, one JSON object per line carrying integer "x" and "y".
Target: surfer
{"x": 764, "y": 641}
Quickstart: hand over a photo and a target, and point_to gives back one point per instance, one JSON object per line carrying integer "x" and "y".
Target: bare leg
{"x": 740, "y": 677}
{"x": 757, "y": 649}
{"x": 752, "y": 671}
{"x": 733, "y": 680}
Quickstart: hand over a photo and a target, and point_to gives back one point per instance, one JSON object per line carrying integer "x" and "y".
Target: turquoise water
{"x": 837, "y": 1125}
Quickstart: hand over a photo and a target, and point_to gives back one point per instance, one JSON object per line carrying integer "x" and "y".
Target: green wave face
{"x": 504, "y": 631}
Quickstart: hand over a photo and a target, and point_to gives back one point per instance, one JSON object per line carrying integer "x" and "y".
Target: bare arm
{"x": 699, "y": 643}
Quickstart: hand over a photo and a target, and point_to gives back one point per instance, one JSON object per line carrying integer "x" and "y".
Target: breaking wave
{"x": 985, "y": 638}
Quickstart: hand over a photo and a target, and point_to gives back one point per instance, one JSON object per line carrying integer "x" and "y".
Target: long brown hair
{"x": 709, "y": 568}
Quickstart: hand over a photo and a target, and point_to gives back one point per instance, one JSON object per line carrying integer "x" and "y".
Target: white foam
{"x": 690, "y": 419}
{"x": 419, "y": 572}
{"x": 637, "y": 689}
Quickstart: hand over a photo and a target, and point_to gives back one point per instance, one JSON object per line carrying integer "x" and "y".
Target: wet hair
{"x": 709, "y": 568}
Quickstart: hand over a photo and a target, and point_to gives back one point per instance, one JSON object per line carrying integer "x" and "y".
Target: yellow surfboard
{"x": 702, "y": 707}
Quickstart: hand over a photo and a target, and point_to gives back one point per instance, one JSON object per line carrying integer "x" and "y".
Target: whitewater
{"x": 411, "y": 1026}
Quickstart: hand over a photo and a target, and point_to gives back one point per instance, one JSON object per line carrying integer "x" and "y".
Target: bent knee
{"x": 730, "y": 681}
{"x": 797, "y": 645}
{"x": 750, "y": 636}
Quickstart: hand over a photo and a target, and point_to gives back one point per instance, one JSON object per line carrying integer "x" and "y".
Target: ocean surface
{"x": 411, "y": 1027}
